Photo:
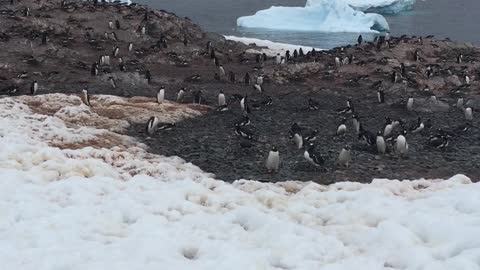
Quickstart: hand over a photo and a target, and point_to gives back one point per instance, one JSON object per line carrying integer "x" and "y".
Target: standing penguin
{"x": 221, "y": 98}
{"x": 360, "y": 40}
{"x": 197, "y": 97}
{"x": 338, "y": 63}
{"x": 259, "y": 79}
{"x": 459, "y": 58}
{"x": 460, "y": 103}
{"x": 381, "y": 146}
{"x": 34, "y": 88}
{"x": 467, "y": 79}
{"x": 26, "y": 11}
{"x": 278, "y": 59}
{"x": 115, "y": 51}
{"x": 152, "y": 125}
{"x": 401, "y": 145}
{"x": 381, "y": 96}
{"x": 222, "y": 70}
{"x": 148, "y": 76}
{"x": 394, "y": 77}
{"x": 356, "y": 123}
{"x": 247, "y": 79}
{"x": 298, "y": 140}
{"x": 342, "y": 128}
{"x": 344, "y": 156}
{"x": 130, "y": 47}
{"x": 388, "y": 127}
{"x": 181, "y": 94}
{"x": 410, "y": 103}
{"x": 469, "y": 114}
{"x": 94, "y": 69}
{"x": 161, "y": 95}
{"x": 273, "y": 160}
{"x": 418, "y": 126}
{"x": 403, "y": 70}
{"x": 295, "y": 53}
{"x": 244, "y": 105}
{"x": 86, "y": 97}
{"x": 110, "y": 24}
{"x": 117, "y": 24}
{"x": 112, "y": 82}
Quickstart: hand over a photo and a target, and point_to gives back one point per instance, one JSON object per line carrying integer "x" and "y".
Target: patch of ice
{"x": 376, "y": 6}
{"x": 322, "y": 16}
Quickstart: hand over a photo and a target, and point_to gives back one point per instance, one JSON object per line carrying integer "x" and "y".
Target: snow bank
{"x": 271, "y": 48}
{"x": 376, "y": 6}
{"x": 322, "y": 16}
{"x": 69, "y": 209}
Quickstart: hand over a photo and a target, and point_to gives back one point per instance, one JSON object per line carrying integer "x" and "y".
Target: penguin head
{"x": 346, "y": 147}
{"x": 380, "y": 133}
{"x": 344, "y": 120}
{"x": 221, "y": 91}
{"x": 274, "y": 149}
{"x": 355, "y": 117}
{"x": 403, "y": 132}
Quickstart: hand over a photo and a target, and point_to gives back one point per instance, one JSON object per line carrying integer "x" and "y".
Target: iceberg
{"x": 376, "y": 6}
{"x": 319, "y": 15}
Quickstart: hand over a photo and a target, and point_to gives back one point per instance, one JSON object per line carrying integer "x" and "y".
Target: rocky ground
{"x": 78, "y": 33}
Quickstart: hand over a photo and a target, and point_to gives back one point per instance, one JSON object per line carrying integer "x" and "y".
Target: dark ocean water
{"x": 457, "y": 19}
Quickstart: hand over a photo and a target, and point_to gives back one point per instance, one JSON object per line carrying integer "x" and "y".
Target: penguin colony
{"x": 245, "y": 90}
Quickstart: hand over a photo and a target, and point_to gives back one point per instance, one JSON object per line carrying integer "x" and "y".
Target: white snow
{"x": 114, "y": 206}
{"x": 271, "y": 48}
{"x": 321, "y": 15}
{"x": 378, "y": 6}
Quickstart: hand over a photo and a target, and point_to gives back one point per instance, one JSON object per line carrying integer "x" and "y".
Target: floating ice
{"x": 322, "y": 16}
{"x": 376, "y": 6}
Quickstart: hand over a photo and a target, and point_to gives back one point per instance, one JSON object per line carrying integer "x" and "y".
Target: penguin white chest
{"x": 273, "y": 161}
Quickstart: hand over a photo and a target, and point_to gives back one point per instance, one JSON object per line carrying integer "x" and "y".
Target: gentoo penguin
{"x": 143, "y": 29}
{"x": 342, "y": 128}
{"x": 295, "y": 53}
{"x": 360, "y": 40}
{"x": 152, "y": 125}
{"x": 394, "y": 77}
{"x": 166, "y": 126}
{"x": 243, "y": 132}
{"x": 459, "y": 58}
{"x": 278, "y": 59}
{"x": 222, "y": 70}
{"x": 101, "y": 60}
{"x": 287, "y": 55}
{"x": 117, "y": 24}
{"x": 294, "y": 129}
{"x": 381, "y": 96}
{"x": 244, "y": 105}
{"x": 115, "y": 51}
{"x": 345, "y": 61}
{"x": 221, "y": 98}
{"x": 298, "y": 140}
{"x": 312, "y": 157}
{"x": 267, "y": 101}
{"x": 338, "y": 63}
{"x": 273, "y": 160}
{"x": 113, "y": 36}
{"x": 209, "y": 45}
{"x": 94, "y": 69}
{"x": 258, "y": 87}
{"x": 34, "y": 88}
{"x": 110, "y": 24}
{"x": 26, "y": 11}
{"x": 356, "y": 123}
{"x": 344, "y": 156}
{"x": 148, "y": 76}
{"x": 381, "y": 146}
{"x": 259, "y": 79}
{"x": 416, "y": 56}
{"x": 197, "y": 97}
{"x": 112, "y": 82}
{"x": 388, "y": 127}
{"x": 410, "y": 103}
{"x": 130, "y": 47}
{"x": 86, "y": 97}
{"x": 301, "y": 53}
{"x": 216, "y": 61}
{"x": 247, "y": 79}
{"x": 313, "y": 105}
{"x": 312, "y": 136}
{"x": 460, "y": 103}
{"x": 181, "y": 94}
{"x": 245, "y": 121}
{"x": 107, "y": 60}
{"x": 185, "y": 41}
{"x": 161, "y": 95}
{"x": 387, "y": 36}
{"x": 469, "y": 114}
{"x": 366, "y": 136}
{"x": 403, "y": 70}
{"x": 433, "y": 99}
{"x": 44, "y": 38}
{"x": 401, "y": 145}
{"x": 438, "y": 141}
{"x": 467, "y": 79}
{"x": 418, "y": 126}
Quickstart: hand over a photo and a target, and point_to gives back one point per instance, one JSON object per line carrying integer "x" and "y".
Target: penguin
{"x": 267, "y": 101}
{"x": 120, "y": 60}
{"x": 221, "y": 98}
{"x": 243, "y": 132}
{"x": 222, "y": 108}
{"x": 342, "y": 128}
{"x": 117, "y": 24}
{"x": 245, "y": 121}
{"x": 216, "y": 62}
{"x": 113, "y": 36}
{"x": 107, "y": 60}
{"x": 301, "y": 53}
{"x": 209, "y": 45}
{"x": 433, "y": 99}
{"x": 258, "y": 87}
{"x": 401, "y": 145}
{"x": 115, "y": 51}
{"x": 94, "y": 69}
{"x": 260, "y": 80}
{"x": 258, "y": 58}
{"x": 467, "y": 79}
{"x": 247, "y": 79}
{"x": 34, "y": 88}
{"x": 287, "y": 55}
{"x": 295, "y": 53}
{"x": 356, "y": 123}
{"x": 416, "y": 56}
{"x": 344, "y": 156}
{"x": 101, "y": 60}
{"x": 161, "y": 95}
{"x": 231, "y": 76}
{"x": 312, "y": 136}
{"x": 130, "y": 47}
{"x": 244, "y": 105}
{"x": 197, "y": 97}
{"x": 313, "y": 105}
{"x": 26, "y": 11}
{"x": 112, "y": 82}
{"x": 298, "y": 140}
{"x": 86, "y": 97}
{"x": 148, "y": 76}
{"x": 367, "y": 136}
{"x": 438, "y": 141}
{"x": 469, "y": 114}
{"x": 122, "y": 67}
{"x": 360, "y": 40}
{"x": 278, "y": 59}
{"x": 394, "y": 77}
{"x": 381, "y": 96}
{"x": 222, "y": 70}
{"x": 460, "y": 103}
{"x": 410, "y": 103}
{"x": 166, "y": 126}
{"x": 388, "y": 127}
{"x": 44, "y": 38}
{"x": 152, "y": 125}
{"x": 345, "y": 61}
{"x": 294, "y": 129}
{"x": 459, "y": 58}
{"x": 387, "y": 36}
{"x": 403, "y": 70}
{"x": 418, "y": 126}
{"x": 273, "y": 160}
{"x": 380, "y": 141}
{"x": 180, "y": 95}
{"x": 110, "y": 24}
{"x": 312, "y": 157}
{"x": 216, "y": 77}
{"x": 338, "y": 63}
